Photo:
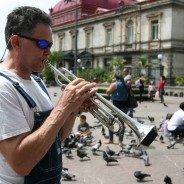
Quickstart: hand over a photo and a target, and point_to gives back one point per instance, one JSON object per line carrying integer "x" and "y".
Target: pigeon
{"x": 96, "y": 147}
{"x": 66, "y": 175}
{"x": 68, "y": 153}
{"x": 128, "y": 133}
{"x": 138, "y": 153}
{"x": 171, "y": 144}
{"x": 167, "y": 180}
{"x": 79, "y": 145}
{"x": 159, "y": 126}
{"x": 152, "y": 119}
{"x": 103, "y": 131}
{"x": 111, "y": 152}
{"x": 70, "y": 143}
{"x": 133, "y": 141}
{"x": 161, "y": 139}
{"x": 98, "y": 125}
{"x": 91, "y": 127}
{"x": 145, "y": 158}
{"x": 140, "y": 176}
{"x": 130, "y": 145}
{"x": 107, "y": 158}
{"x": 86, "y": 140}
{"x": 162, "y": 120}
{"x": 93, "y": 149}
{"x": 126, "y": 149}
{"x": 140, "y": 121}
{"x": 82, "y": 154}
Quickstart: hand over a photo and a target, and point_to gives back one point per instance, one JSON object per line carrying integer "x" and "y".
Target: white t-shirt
{"x": 16, "y": 117}
{"x": 176, "y": 120}
{"x": 127, "y": 78}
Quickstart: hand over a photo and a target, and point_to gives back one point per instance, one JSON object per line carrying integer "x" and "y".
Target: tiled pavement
{"x": 163, "y": 161}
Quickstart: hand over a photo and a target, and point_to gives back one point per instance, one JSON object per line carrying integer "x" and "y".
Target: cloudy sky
{"x": 8, "y": 5}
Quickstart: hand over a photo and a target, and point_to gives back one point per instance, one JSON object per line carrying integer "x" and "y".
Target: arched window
{"x": 130, "y": 31}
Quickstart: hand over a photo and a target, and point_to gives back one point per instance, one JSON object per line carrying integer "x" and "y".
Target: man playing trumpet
{"x": 31, "y": 128}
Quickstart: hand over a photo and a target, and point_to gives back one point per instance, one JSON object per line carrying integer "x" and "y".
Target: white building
{"x": 127, "y": 29}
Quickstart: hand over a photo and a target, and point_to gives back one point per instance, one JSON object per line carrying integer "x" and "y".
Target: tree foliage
{"x": 118, "y": 63}
{"x": 143, "y": 62}
{"x": 54, "y": 59}
{"x": 97, "y": 74}
{"x": 180, "y": 81}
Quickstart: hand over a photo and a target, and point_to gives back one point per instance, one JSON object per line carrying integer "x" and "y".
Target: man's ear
{"x": 15, "y": 41}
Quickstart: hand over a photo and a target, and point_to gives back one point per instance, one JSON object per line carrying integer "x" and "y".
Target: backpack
{"x": 137, "y": 83}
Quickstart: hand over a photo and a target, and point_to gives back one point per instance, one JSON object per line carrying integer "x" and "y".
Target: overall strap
{"x": 28, "y": 99}
{"x": 38, "y": 80}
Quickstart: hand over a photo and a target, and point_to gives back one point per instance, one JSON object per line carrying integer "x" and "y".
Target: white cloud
{"x": 8, "y": 5}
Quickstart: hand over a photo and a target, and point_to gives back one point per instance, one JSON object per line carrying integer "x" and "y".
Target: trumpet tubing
{"x": 109, "y": 115}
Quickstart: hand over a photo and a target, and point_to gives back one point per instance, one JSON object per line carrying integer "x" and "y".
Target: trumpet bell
{"x": 146, "y": 134}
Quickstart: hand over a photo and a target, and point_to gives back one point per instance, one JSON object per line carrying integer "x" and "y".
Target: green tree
{"x": 55, "y": 58}
{"x": 144, "y": 62}
{"x": 180, "y": 81}
{"x": 97, "y": 74}
{"x": 118, "y": 63}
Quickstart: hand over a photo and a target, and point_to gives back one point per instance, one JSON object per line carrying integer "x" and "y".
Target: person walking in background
{"x": 127, "y": 76}
{"x": 140, "y": 84}
{"x": 161, "y": 90}
{"x": 32, "y": 129}
{"x": 119, "y": 90}
{"x": 151, "y": 91}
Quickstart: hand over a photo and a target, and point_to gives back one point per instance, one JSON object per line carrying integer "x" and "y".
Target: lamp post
{"x": 160, "y": 64}
{"x": 159, "y": 58}
{"x": 78, "y": 65}
{"x": 76, "y": 40}
{"x": 75, "y": 34}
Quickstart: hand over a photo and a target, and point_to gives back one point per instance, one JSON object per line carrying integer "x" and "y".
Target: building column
{"x": 170, "y": 68}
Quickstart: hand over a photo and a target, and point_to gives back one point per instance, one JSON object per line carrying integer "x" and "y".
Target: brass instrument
{"x": 109, "y": 115}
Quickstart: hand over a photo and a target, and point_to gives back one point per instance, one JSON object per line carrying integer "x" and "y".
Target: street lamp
{"x": 160, "y": 64}
{"x": 160, "y": 58}
{"x": 75, "y": 33}
{"x": 78, "y": 65}
{"x": 78, "y": 60}
{"x": 76, "y": 40}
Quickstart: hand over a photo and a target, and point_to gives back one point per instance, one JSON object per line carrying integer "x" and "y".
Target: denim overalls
{"x": 48, "y": 170}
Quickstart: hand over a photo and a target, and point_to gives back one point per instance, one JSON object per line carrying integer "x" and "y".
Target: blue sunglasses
{"x": 42, "y": 44}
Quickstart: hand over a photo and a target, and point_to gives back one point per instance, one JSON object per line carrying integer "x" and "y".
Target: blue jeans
{"x": 161, "y": 94}
{"x": 130, "y": 112}
{"x": 121, "y": 135}
{"x": 48, "y": 170}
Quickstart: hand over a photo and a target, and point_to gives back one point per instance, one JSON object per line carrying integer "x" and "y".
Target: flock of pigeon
{"x": 77, "y": 143}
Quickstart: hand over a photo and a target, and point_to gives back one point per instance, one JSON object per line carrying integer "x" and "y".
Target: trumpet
{"x": 109, "y": 115}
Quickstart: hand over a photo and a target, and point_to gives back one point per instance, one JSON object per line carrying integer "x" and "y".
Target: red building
{"x": 64, "y": 13}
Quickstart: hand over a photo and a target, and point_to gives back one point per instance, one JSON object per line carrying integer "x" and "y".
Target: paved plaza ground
{"x": 163, "y": 161}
